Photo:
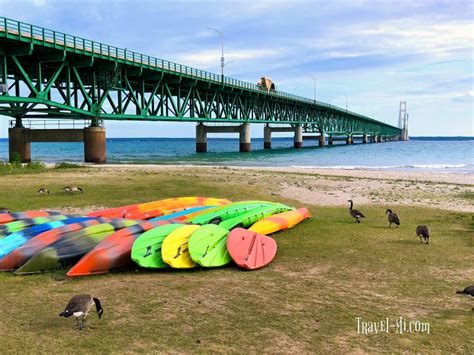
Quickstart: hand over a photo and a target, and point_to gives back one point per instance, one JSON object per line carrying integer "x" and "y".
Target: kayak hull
{"x": 280, "y": 221}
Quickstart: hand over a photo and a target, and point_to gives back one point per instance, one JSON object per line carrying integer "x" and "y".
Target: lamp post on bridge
{"x": 314, "y": 79}
{"x": 220, "y": 33}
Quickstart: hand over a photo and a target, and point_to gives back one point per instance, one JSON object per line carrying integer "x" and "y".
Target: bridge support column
{"x": 349, "y": 140}
{"x": 298, "y": 139}
{"x": 322, "y": 140}
{"x": 365, "y": 139}
{"x": 245, "y": 139}
{"x": 94, "y": 145}
{"x": 330, "y": 140}
{"x": 19, "y": 144}
{"x": 267, "y": 137}
{"x": 201, "y": 138}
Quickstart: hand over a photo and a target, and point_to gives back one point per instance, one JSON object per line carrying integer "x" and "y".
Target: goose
{"x": 392, "y": 217}
{"x": 355, "y": 213}
{"x": 71, "y": 189}
{"x": 43, "y": 191}
{"x": 423, "y": 232}
{"x": 79, "y": 306}
{"x": 469, "y": 291}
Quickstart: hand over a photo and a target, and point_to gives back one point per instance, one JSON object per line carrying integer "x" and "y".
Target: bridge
{"x": 49, "y": 75}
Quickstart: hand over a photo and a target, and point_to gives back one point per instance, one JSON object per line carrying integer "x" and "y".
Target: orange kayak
{"x": 114, "y": 251}
{"x": 152, "y": 209}
{"x": 160, "y": 207}
{"x": 280, "y": 221}
{"x": 250, "y": 250}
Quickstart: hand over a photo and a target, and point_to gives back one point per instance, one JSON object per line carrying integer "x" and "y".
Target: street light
{"x": 314, "y": 79}
{"x": 222, "y": 45}
{"x": 296, "y": 88}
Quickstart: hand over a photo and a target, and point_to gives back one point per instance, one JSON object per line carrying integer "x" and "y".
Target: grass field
{"x": 328, "y": 271}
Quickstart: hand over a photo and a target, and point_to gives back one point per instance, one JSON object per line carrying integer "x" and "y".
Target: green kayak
{"x": 229, "y": 211}
{"x": 207, "y": 246}
{"x": 146, "y": 250}
{"x": 247, "y": 219}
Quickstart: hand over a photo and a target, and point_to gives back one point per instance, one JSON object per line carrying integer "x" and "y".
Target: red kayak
{"x": 250, "y": 250}
{"x": 113, "y": 252}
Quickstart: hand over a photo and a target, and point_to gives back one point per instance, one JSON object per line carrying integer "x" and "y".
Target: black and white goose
{"x": 71, "y": 189}
{"x": 423, "y": 232}
{"x": 392, "y": 218}
{"x": 43, "y": 191}
{"x": 356, "y": 214}
{"x": 79, "y": 306}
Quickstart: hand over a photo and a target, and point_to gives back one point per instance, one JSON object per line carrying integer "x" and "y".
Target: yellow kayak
{"x": 280, "y": 221}
{"x": 174, "y": 249}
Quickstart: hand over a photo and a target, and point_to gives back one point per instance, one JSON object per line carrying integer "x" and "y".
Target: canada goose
{"x": 392, "y": 217}
{"x": 71, "y": 189}
{"x": 355, "y": 213}
{"x": 79, "y": 306}
{"x": 43, "y": 191}
{"x": 469, "y": 290}
{"x": 423, "y": 232}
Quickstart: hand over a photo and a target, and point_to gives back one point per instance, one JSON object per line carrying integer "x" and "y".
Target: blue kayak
{"x": 17, "y": 239}
{"x": 183, "y": 213}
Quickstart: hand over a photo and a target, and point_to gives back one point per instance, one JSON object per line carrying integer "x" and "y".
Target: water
{"x": 418, "y": 154}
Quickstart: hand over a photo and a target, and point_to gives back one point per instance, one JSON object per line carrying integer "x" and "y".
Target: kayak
{"x": 227, "y": 212}
{"x": 146, "y": 251}
{"x": 11, "y": 217}
{"x": 23, "y": 224}
{"x": 20, "y": 255}
{"x": 207, "y": 246}
{"x": 280, "y": 221}
{"x": 114, "y": 252}
{"x": 71, "y": 247}
{"x": 247, "y": 219}
{"x": 17, "y": 239}
{"x": 151, "y": 210}
{"x": 174, "y": 250}
{"x": 251, "y": 250}
{"x": 163, "y": 206}
{"x": 184, "y": 214}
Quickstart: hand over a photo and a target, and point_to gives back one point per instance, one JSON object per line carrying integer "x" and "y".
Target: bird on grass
{"x": 392, "y": 218}
{"x": 356, "y": 214}
{"x": 43, "y": 191}
{"x": 423, "y": 232}
{"x": 469, "y": 291}
{"x": 79, "y": 306}
{"x": 71, "y": 189}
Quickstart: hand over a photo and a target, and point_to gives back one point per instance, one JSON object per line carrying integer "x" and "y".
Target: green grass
{"x": 328, "y": 271}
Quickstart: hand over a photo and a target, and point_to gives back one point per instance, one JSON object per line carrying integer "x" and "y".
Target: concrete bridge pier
{"x": 365, "y": 139}
{"x": 349, "y": 140}
{"x": 322, "y": 140}
{"x": 267, "y": 137}
{"x": 95, "y": 145}
{"x": 298, "y": 138}
{"x": 330, "y": 140}
{"x": 201, "y": 138}
{"x": 245, "y": 139}
{"x": 18, "y": 144}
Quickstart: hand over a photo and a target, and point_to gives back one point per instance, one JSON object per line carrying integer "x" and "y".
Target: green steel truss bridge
{"x": 47, "y": 74}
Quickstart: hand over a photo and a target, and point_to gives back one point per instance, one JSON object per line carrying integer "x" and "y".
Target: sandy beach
{"x": 333, "y": 187}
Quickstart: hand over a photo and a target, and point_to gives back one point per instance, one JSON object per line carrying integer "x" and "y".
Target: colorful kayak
{"x": 23, "y": 224}
{"x": 184, "y": 214}
{"x": 20, "y": 255}
{"x": 17, "y": 239}
{"x": 174, "y": 250}
{"x": 207, "y": 246}
{"x": 163, "y": 206}
{"x": 227, "y": 212}
{"x": 247, "y": 219}
{"x": 71, "y": 247}
{"x": 151, "y": 210}
{"x": 251, "y": 250}
{"x": 146, "y": 251}
{"x": 114, "y": 252}
{"x": 280, "y": 221}
{"x": 11, "y": 217}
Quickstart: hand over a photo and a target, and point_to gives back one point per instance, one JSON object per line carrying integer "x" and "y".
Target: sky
{"x": 370, "y": 54}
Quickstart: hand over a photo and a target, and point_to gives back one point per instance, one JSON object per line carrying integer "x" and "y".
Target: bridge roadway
{"x": 45, "y": 74}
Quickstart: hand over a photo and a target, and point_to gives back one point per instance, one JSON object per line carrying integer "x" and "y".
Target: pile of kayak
{"x": 181, "y": 233}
